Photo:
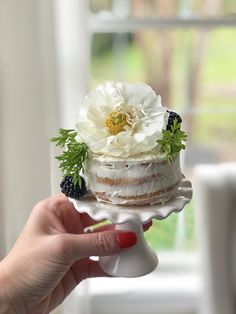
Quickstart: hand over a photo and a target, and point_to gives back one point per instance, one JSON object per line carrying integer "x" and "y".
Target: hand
{"x": 51, "y": 256}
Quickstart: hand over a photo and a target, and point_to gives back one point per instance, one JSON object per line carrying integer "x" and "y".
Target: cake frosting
{"x": 144, "y": 179}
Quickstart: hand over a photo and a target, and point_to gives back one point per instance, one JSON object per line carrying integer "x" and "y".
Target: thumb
{"x": 100, "y": 243}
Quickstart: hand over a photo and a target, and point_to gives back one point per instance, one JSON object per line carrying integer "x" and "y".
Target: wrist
{"x": 8, "y": 298}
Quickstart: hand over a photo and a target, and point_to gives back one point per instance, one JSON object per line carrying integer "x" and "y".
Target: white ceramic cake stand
{"x": 139, "y": 259}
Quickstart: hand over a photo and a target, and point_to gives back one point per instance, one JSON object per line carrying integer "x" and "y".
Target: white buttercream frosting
{"x": 140, "y": 176}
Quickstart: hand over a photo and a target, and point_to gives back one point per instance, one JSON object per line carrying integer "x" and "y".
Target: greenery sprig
{"x": 172, "y": 140}
{"x": 73, "y": 156}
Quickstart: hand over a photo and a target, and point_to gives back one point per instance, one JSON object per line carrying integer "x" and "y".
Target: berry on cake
{"x": 125, "y": 149}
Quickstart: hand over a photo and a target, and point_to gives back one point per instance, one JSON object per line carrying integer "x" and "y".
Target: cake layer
{"x": 146, "y": 179}
{"x": 160, "y": 196}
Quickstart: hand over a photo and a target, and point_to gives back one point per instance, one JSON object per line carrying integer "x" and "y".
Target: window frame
{"x": 183, "y": 264}
{"x": 115, "y": 24}
{"x": 100, "y": 23}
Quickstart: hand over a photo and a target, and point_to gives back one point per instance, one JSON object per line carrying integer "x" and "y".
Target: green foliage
{"x": 101, "y": 44}
{"x": 162, "y": 235}
{"x": 73, "y": 156}
{"x": 172, "y": 140}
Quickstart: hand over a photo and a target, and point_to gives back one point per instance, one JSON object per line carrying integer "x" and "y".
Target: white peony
{"x": 122, "y": 119}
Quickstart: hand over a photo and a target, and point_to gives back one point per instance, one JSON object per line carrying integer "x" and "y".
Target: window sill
{"x": 173, "y": 288}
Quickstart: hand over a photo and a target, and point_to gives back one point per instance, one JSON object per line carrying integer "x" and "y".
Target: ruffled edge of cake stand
{"x": 121, "y": 214}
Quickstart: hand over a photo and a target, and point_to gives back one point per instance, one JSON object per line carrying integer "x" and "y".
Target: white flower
{"x": 122, "y": 119}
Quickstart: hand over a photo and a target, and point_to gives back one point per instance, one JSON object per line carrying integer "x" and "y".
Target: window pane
{"x": 97, "y": 6}
{"x": 164, "y": 7}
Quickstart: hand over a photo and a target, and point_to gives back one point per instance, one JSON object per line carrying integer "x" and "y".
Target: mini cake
{"x": 126, "y": 146}
{"x": 145, "y": 179}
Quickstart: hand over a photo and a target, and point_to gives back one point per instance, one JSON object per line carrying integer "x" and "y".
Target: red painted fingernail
{"x": 126, "y": 239}
{"x": 147, "y": 225}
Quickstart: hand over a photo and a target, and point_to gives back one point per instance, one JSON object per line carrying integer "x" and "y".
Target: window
{"x": 184, "y": 50}
{"x": 186, "y": 64}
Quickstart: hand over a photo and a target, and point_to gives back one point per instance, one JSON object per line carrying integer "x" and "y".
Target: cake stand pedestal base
{"x": 136, "y": 261}
{"x": 139, "y": 259}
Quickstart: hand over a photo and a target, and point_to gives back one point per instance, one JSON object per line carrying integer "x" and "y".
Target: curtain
{"x": 43, "y": 77}
{"x": 28, "y": 113}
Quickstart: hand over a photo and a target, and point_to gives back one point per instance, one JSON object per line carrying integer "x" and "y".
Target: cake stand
{"x": 139, "y": 259}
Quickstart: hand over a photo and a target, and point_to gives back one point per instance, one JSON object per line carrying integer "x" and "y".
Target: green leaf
{"x": 172, "y": 140}
{"x": 65, "y": 135}
{"x": 73, "y": 156}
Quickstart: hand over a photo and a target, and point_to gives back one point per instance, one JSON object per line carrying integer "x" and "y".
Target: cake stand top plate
{"x": 142, "y": 214}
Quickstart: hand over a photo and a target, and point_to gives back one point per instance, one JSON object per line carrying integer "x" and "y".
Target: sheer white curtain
{"x": 41, "y": 85}
{"x": 28, "y": 112}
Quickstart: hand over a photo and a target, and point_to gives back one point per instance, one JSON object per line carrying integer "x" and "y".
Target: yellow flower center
{"x": 116, "y": 121}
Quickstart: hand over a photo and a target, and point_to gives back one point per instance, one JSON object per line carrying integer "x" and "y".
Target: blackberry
{"x": 172, "y": 116}
{"x": 73, "y": 190}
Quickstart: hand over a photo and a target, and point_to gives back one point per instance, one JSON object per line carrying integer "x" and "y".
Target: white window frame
{"x": 173, "y": 289}
{"x": 115, "y": 24}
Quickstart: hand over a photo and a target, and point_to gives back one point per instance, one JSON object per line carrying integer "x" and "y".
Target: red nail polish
{"x": 126, "y": 239}
{"x": 147, "y": 225}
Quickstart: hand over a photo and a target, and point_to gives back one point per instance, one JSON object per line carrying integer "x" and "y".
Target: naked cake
{"x": 127, "y": 146}
{"x": 145, "y": 179}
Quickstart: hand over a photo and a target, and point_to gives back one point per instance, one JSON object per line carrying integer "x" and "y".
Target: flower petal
{"x": 147, "y": 119}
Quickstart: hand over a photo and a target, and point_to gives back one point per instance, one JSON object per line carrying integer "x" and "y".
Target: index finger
{"x": 71, "y": 216}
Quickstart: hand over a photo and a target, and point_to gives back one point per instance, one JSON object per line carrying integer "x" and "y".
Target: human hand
{"x": 51, "y": 256}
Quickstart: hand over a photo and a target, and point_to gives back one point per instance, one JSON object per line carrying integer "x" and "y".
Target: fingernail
{"x": 126, "y": 239}
{"x": 147, "y": 225}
